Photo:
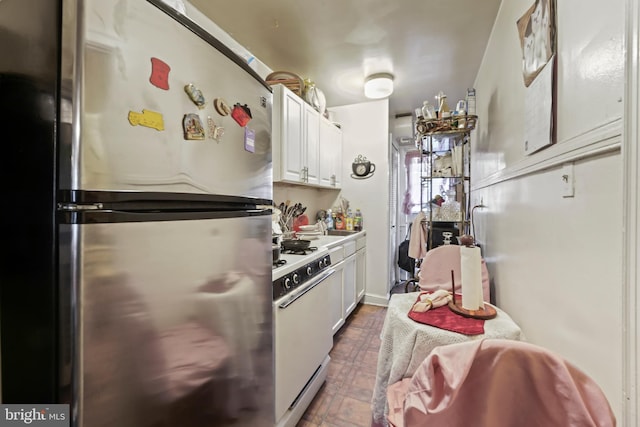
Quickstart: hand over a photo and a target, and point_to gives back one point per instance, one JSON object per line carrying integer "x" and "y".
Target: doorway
{"x": 394, "y": 162}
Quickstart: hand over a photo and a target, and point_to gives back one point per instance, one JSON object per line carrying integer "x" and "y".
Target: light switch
{"x": 566, "y": 176}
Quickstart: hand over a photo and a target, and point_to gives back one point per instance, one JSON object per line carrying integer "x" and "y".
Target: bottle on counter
{"x": 357, "y": 221}
{"x": 339, "y": 221}
{"x": 329, "y": 220}
{"x": 349, "y": 221}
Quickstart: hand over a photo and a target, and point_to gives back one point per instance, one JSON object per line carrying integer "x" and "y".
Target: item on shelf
{"x": 444, "y": 143}
{"x": 428, "y": 110}
{"x": 450, "y": 211}
{"x": 292, "y": 81}
{"x": 448, "y": 124}
{"x": 443, "y": 109}
{"x": 443, "y": 165}
{"x": 471, "y": 101}
{"x": 314, "y": 96}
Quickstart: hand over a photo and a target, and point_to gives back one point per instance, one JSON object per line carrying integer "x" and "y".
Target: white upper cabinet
{"x": 287, "y": 135}
{"x": 307, "y": 148}
{"x": 312, "y": 139}
{"x": 330, "y": 154}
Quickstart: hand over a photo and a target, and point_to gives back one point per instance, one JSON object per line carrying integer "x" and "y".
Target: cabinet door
{"x": 361, "y": 278}
{"x": 311, "y": 142}
{"x": 289, "y": 152}
{"x": 330, "y": 154}
{"x": 335, "y": 299}
{"x": 349, "y": 285}
{"x": 336, "y": 144}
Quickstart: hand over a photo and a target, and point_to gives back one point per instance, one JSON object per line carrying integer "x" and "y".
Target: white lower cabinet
{"x": 349, "y": 300}
{"x": 361, "y": 276}
{"x": 343, "y": 293}
{"x": 335, "y": 289}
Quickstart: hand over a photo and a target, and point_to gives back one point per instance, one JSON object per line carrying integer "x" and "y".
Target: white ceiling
{"x": 429, "y": 45}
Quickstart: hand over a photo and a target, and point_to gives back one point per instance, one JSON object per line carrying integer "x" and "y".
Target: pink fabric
{"x": 498, "y": 383}
{"x": 435, "y": 270}
{"x": 418, "y": 238}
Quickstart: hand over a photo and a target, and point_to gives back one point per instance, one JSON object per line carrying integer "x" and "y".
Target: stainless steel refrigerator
{"x": 136, "y": 181}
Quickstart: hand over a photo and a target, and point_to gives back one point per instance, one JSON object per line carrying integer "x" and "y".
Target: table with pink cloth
{"x": 406, "y": 343}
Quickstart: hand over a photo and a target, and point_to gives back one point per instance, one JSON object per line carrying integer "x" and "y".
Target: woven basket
{"x": 291, "y": 81}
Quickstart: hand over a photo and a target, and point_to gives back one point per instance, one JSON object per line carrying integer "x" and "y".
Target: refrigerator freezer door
{"x": 153, "y": 102}
{"x": 173, "y": 324}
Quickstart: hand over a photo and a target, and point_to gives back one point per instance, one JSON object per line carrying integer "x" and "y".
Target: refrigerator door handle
{"x": 74, "y": 207}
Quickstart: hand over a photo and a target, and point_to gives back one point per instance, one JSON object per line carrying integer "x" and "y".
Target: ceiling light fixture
{"x": 378, "y": 85}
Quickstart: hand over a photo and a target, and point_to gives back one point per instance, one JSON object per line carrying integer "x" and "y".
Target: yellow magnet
{"x": 147, "y": 118}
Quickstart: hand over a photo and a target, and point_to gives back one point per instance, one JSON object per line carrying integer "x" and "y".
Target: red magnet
{"x": 241, "y": 114}
{"x": 159, "y": 73}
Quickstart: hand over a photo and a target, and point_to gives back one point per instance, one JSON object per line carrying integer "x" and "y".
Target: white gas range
{"x": 302, "y": 331}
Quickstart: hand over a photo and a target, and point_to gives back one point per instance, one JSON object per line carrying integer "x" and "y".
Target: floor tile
{"x": 344, "y": 399}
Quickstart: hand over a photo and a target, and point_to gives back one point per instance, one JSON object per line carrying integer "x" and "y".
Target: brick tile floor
{"x": 345, "y": 398}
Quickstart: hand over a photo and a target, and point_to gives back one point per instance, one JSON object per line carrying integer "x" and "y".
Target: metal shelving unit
{"x": 445, "y": 168}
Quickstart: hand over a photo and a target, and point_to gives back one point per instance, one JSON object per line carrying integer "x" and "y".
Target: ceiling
{"x": 428, "y": 45}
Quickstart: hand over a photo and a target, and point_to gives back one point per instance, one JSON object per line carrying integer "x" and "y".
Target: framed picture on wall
{"x": 537, "y": 32}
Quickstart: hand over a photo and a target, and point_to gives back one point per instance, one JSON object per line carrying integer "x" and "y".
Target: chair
{"x": 497, "y": 383}
{"x": 435, "y": 272}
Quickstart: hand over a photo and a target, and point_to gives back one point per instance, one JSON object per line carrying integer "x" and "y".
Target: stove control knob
{"x": 309, "y": 271}
{"x": 325, "y": 262}
{"x": 296, "y": 279}
{"x": 287, "y": 283}
{"x": 320, "y": 264}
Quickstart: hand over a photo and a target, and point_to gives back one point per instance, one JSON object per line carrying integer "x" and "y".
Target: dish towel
{"x": 427, "y": 300}
{"x": 442, "y": 317}
{"x": 418, "y": 237}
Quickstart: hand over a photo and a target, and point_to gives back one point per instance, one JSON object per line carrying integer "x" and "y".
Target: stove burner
{"x": 279, "y": 263}
{"x": 306, "y": 251}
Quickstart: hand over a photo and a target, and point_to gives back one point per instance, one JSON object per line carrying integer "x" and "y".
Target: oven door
{"x": 303, "y": 338}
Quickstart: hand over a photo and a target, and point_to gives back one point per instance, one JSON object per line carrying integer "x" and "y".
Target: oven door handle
{"x": 312, "y": 284}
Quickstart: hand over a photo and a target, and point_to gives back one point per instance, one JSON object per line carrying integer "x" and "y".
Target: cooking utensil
{"x": 295, "y": 245}
{"x": 275, "y": 249}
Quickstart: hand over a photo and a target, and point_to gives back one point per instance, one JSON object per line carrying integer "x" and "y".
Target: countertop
{"x": 323, "y": 243}
{"x": 330, "y": 242}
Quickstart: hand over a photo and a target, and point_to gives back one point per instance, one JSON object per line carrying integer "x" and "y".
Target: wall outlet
{"x": 567, "y": 180}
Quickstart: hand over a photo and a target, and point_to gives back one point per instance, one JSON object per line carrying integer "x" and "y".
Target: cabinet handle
{"x": 308, "y": 287}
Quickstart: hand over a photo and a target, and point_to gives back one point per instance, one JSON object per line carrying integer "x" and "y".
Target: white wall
{"x": 557, "y": 262}
{"x": 365, "y": 130}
